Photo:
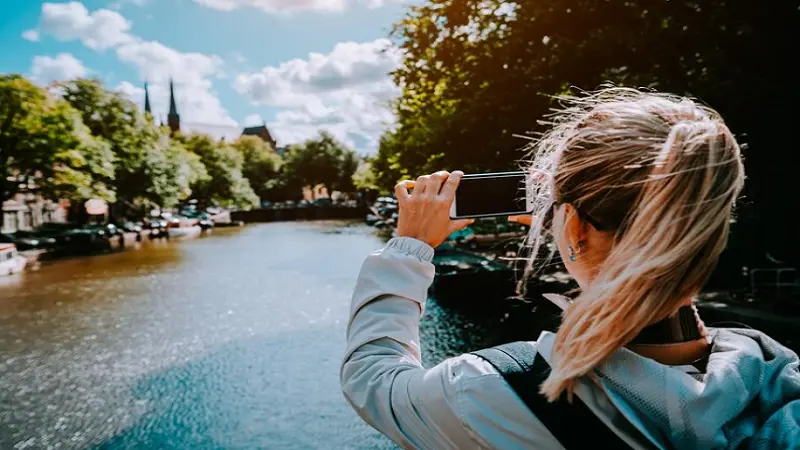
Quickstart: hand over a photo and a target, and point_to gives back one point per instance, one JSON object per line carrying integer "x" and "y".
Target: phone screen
{"x": 488, "y": 195}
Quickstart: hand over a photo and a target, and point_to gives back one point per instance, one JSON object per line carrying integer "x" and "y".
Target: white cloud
{"x": 253, "y": 120}
{"x": 350, "y": 65}
{"x": 192, "y": 73}
{"x": 239, "y": 57}
{"x": 188, "y": 102}
{"x": 292, "y": 6}
{"x": 359, "y": 121}
{"x": 31, "y": 35}
{"x": 98, "y": 30}
{"x": 155, "y": 62}
{"x": 64, "y": 66}
{"x": 345, "y": 92}
{"x": 118, "y": 4}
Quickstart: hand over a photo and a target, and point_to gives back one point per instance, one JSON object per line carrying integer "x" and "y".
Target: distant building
{"x": 224, "y": 132}
{"x": 173, "y": 119}
{"x": 263, "y": 132}
{"x": 25, "y": 211}
{"x": 147, "y": 108}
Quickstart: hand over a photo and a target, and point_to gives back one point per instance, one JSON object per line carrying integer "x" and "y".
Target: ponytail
{"x": 677, "y": 207}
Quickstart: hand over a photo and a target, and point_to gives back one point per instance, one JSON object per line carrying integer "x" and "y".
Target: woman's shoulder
{"x": 477, "y": 378}
{"x": 472, "y": 368}
{"x": 489, "y": 408}
{"x": 749, "y": 342}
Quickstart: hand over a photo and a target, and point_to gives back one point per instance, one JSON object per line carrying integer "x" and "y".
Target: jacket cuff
{"x": 411, "y": 247}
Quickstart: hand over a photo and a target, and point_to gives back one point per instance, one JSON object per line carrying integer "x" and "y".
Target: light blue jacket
{"x": 749, "y": 394}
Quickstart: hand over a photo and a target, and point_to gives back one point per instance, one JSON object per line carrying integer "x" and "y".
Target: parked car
{"x": 103, "y": 231}
{"x": 64, "y": 234}
{"x": 71, "y": 236}
{"x": 29, "y": 240}
{"x": 131, "y": 227}
{"x": 203, "y": 219}
{"x": 157, "y": 226}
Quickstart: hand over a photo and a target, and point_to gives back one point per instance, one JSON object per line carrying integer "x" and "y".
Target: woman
{"x": 639, "y": 191}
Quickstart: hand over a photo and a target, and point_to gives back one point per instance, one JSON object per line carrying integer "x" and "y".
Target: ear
{"x": 574, "y": 227}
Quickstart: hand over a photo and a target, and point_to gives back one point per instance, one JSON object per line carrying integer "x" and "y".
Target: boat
{"x": 372, "y": 219}
{"x": 491, "y": 233}
{"x": 383, "y": 213}
{"x": 220, "y": 217}
{"x": 183, "y": 227}
{"x": 464, "y": 278}
{"x": 11, "y": 261}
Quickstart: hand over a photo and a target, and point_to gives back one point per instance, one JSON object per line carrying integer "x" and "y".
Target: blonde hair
{"x": 662, "y": 173}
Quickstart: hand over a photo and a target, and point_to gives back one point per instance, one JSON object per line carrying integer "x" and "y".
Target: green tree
{"x": 46, "y": 148}
{"x": 323, "y": 160}
{"x": 476, "y": 73}
{"x": 261, "y": 166}
{"x": 151, "y": 169}
{"x": 171, "y": 171}
{"x": 364, "y": 178}
{"x": 224, "y": 183}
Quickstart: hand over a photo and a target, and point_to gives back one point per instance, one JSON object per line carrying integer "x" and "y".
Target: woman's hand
{"x": 425, "y": 213}
{"x": 526, "y": 219}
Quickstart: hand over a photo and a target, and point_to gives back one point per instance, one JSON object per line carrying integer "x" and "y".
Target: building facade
{"x": 28, "y": 211}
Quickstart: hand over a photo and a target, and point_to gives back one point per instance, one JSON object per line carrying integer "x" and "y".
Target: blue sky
{"x": 299, "y": 65}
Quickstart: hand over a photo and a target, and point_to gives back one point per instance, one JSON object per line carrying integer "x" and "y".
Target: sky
{"x": 300, "y": 66}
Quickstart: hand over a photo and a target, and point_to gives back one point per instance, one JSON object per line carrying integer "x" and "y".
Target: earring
{"x": 572, "y": 253}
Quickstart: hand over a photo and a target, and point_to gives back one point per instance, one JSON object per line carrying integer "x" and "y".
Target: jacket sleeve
{"x": 382, "y": 375}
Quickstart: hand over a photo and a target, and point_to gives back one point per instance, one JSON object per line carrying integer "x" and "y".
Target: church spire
{"x": 147, "y": 108}
{"x": 173, "y": 118}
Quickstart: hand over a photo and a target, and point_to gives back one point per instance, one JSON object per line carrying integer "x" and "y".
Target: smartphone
{"x": 493, "y": 194}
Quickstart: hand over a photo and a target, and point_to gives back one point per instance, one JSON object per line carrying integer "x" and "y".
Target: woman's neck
{"x": 677, "y": 354}
{"x": 665, "y": 351}
{"x": 677, "y": 340}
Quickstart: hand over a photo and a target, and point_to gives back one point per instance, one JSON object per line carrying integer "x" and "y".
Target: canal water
{"x": 227, "y": 341}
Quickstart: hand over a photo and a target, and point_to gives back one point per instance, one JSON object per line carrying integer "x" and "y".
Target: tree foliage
{"x": 323, "y": 160}
{"x": 261, "y": 165}
{"x": 151, "y": 169}
{"x": 478, "y": 72}
{"x": 364, "y": 177}
{"x": 80, "y": 140}
{"x": 224, "y": 184}
{"x": 46, "y": 148}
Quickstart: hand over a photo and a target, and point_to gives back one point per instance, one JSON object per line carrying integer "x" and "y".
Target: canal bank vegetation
{"x": 77, "y": 140}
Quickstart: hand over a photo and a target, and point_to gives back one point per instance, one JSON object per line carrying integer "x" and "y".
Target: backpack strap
{"x": 521, "y": 368}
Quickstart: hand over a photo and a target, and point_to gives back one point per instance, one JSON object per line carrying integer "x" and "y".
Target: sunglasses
{"x": 547, "y": 220}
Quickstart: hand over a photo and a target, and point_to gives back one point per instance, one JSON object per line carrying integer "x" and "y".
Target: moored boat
{"x": 11, "y": 261}
{"x": 463, "y": 277}
{"x": 182, "y": 227}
